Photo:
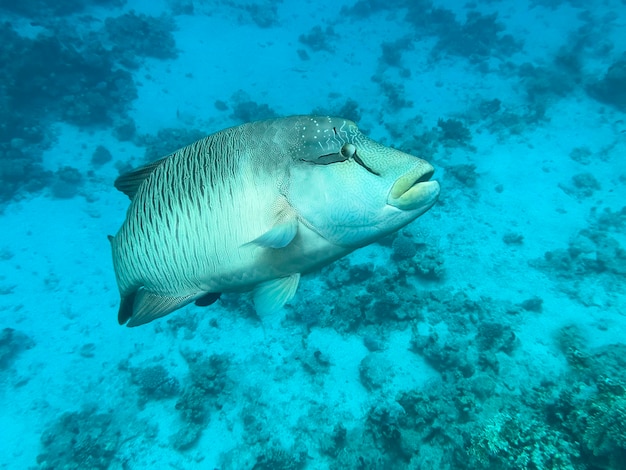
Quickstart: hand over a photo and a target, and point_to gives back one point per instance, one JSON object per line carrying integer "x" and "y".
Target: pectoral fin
{"x": 279, "y": 236}
{"x": 284, "y": 226}
{"x": 270, "y": 296}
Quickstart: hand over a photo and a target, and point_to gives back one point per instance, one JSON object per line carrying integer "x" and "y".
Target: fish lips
{"x": 414, "y": 190}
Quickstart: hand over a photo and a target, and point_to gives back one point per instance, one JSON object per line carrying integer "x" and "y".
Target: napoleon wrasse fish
{"x": 253, "y": 207}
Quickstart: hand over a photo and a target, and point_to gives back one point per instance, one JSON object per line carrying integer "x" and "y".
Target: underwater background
{"x": 488, "y": 334}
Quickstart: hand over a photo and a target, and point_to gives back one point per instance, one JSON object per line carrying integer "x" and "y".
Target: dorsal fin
{"x": 129, "y": 183}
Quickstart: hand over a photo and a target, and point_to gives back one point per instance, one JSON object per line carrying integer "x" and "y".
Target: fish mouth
{"x": 414, "y": 190}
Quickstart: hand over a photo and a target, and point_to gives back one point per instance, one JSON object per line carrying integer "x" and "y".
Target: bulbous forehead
{"x": 317, "y": 135}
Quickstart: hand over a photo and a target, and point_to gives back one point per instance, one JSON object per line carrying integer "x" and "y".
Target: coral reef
{"x": 592, "y": 251}
{"x": 609, "y": 220}
{"x": 511, "y": 440}
{"x": 487, "y": 108}
{"x": 425, "y": 143}
{"x": 534, "y": 304}
{"x": 264, "y": 15}
{"x": 79, "y": 440}
{"x": 75, "y": 75}
{"x": 47, "y": 8}
{"x": 246, "y": 110}
{"x": 611, "y": 89}
{"x": 512, "y": 238}
{"x": 167, "y": 141}
{"x": 154, "y": 383}
{"x": 468, "y": 341}
{"x": 392, "y": 53}
{"x": 206, "y": 383}
{"x": 349, "y": 109}
{"x": 601, "y": 421}
{"x": 395, "y": 95}
{"x": 583, "y": 185}
{"x": 375, "y": 371}
{"x": 277, "y": 458}
{"x": 366, "y": 8}
{"x": 318, "y": 39}
{"x": 591, "y": 408}
{"x": 429, "y": 19}
{"x": 481, "y": 36}
{"x": 475, "y": 416}
{"x": 12, "y": 343}
{"x": 544, "y": 83}
{"x": 141, "y": 35}
{"x": 335, "y": 442}
{"x": 403, "y": 247}
{"x": 314, "y": 361}
{"x": 507, "y": 122}
{"x": 426, "y": 263}
{"x": 66, "y": 182}
{"x": 81, "y": 84}
{"x": 464, "y": 173}
{"x": 454, "y": 132}
{"x": 446, "y": 353}
{"x": 125, "y": 128}
{"x": 581, "y": 155}
{"x": 100, "y": 156}
{"x": 56, "y": 75}
{"x": 21, "y": 170}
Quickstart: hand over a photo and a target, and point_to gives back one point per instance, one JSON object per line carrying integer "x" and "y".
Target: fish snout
{"x": 414, "y": 190}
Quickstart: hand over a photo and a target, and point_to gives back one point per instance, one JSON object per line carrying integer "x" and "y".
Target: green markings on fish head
{"x": 350, "y": 189}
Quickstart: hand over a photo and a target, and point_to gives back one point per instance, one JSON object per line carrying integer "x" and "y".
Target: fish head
{"x": 350, "y": 189}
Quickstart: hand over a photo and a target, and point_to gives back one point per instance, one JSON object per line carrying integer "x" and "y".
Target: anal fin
{"x": 148, "y": 306}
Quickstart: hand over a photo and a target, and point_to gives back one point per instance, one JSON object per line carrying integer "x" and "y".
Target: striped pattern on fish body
{"x": 181, "y": 234}
{"x": 225, "y": 214}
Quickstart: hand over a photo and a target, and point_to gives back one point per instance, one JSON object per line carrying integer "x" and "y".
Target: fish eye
{"x": 348, "y": 151}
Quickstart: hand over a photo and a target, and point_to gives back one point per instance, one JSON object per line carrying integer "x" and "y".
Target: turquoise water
{"x": 487, "y": 334}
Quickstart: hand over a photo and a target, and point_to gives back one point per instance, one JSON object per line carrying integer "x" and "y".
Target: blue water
{"x": 487, "y": 334}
